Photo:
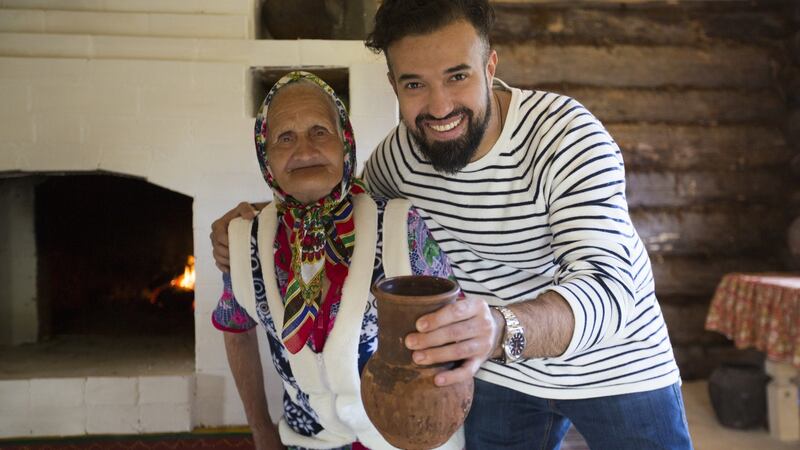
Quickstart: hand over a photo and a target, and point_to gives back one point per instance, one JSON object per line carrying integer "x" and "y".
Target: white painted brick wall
{"x": 123, "y": 47}
{"x": 173, "y": 169}
{"x": 163, "y": 418}
{"x": 199, "y": 25}
{"x": 123, "y": 127}
{"x": 15, "y": 402}
{"x": 55, "y": 96}
{"x": 16, "y": 128}
{"x": 15, "y": 395}
{"x": 240, "y": 185}
{"x": 56, "y": 128}
{"x": 22, "y": 20}
{"x": 187, "y": 102}
{"x": 207, "y": 338}
{"x": 212, "y": 356}
{"x": 57, "y": 392}
{"x": 231, "y": 136}
{"x": 46, "y": 157}
{"x": 16, "y": 97}
{"x": 217, "y": 401}
{"x": 120, "y": 391}
{"x": 227, "y": 76}
{"x": 127, "y": 159}
{"x": 40, "y": 45}
{"x": 46, "y": 420}
{"x": 112, "y": 419}
{"x": 178, "y": 389}
{"x": 41, "y": 69}
{"x": 10, "y": 153}
{"x": 276, "y": 53}
{"x": 133, "y": 73}
{"x": 124, "y": 23}
{"x": 91, "y": 22}
{"x": 369, "y": 131}
{"x": 163, "y": 6}
{"x": 331, "y": 53}
{"x": 97, "y": 405}
{"x": 209, "y": 293}
{"x": 14, "y": 424}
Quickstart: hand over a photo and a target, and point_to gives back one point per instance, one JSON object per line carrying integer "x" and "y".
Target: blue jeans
{"x": 502, "y": 418}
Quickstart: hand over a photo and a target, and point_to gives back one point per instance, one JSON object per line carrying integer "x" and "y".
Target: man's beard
{"x": 453, "y": 155}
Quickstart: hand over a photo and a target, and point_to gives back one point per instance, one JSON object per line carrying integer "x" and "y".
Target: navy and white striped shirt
{"x": 545, "y": 209}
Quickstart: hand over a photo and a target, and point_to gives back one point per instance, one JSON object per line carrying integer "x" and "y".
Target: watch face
{"x": 516, "y": 344}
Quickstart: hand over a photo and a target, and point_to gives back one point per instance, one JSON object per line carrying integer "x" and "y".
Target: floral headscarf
{"x": 321, "y": 235}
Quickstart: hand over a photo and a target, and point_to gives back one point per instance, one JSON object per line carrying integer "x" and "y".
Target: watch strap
{"x": 512, "y": 327}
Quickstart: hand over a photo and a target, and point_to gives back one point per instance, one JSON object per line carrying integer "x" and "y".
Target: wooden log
{"x": 697, "y": 361}
{"x": 670, "y": 147}
{"x": 699, "y": 275}
{"x": 653, "y": 25}
{"x": 678, "y": 106}
{"x": 692, "y": 188}
{"x": 727, "y": 231}
{"x": 683, "y": 300}
{"x": 686, "y": 325}
{"x": 532, "y": 64}
{"x": 793, "y": 126}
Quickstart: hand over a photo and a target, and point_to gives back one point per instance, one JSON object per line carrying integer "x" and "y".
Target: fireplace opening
{"x": 113, "y": 281}
{"x": 110, "y": 253}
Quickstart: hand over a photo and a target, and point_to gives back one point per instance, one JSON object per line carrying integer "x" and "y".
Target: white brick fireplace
{"x": 161, "y": 90}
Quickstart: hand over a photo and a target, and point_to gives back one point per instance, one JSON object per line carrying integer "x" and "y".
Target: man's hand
{"x": 219, "y": 232}
{"x": 466, "y": 330}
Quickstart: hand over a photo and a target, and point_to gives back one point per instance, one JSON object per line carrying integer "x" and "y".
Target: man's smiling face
{"x": 442, "y": 81}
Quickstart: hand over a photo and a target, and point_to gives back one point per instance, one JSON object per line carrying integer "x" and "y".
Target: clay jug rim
{"x": 451, "y": 291}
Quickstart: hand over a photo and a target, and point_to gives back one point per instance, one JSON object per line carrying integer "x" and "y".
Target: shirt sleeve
{"x": 593, "y": 237}
{"x": 229, "y": 315}
{"x": 423, "y": 250}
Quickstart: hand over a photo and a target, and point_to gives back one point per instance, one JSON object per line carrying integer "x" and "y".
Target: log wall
{"x": 704, "y": 100}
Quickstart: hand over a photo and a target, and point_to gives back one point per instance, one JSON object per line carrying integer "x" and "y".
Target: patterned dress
{"x": 426, "y": 259}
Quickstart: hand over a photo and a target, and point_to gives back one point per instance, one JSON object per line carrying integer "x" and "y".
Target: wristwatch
{"x": 513, "y": 337}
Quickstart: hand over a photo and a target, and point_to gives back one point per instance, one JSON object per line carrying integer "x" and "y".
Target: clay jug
{"x": 400, "y": 398}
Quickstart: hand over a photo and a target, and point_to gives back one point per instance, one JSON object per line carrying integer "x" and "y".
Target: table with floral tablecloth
{"x": 760, "y": 311}
{"x": 763, "y": 311}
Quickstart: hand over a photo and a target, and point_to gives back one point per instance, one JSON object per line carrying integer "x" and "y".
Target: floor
{"x": 707, "y": 434}
{"x": 68, "y": 356}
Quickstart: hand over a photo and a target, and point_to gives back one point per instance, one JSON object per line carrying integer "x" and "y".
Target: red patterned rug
{"x": 206, "y": 441}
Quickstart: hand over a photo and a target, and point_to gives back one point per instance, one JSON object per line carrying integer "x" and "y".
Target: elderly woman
{"x": 329, "y": 241}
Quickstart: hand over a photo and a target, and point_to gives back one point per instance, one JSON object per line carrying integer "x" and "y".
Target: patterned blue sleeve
{"x": 229, "y": 315}
{"x": 426, "y": 256}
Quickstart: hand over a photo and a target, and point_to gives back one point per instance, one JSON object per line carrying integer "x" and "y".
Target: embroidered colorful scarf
{"x": 321, "y": 234}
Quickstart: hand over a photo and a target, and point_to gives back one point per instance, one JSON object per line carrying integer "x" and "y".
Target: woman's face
{"x": 304, "y": 149}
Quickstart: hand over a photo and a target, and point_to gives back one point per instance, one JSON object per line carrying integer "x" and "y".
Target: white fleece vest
{"x": 330, "y": 378}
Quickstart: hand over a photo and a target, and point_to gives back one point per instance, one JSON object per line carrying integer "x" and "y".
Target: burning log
{"x": 182, "y": 284}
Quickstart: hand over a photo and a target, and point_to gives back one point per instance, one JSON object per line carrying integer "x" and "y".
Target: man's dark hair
{"x": 397, "y": 19}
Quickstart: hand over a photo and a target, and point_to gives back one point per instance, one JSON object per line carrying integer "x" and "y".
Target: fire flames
{"x": 185, "y": 281}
